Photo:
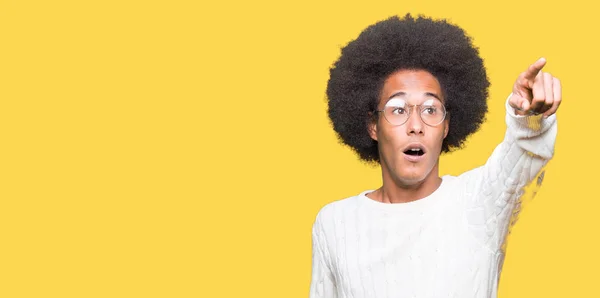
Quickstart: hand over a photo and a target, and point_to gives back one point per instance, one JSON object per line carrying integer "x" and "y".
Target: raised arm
{"x": 494, "y": 189}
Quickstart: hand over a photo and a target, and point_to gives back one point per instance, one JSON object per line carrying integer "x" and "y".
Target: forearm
{"x": 494, "y": 189}
{"x": 527, "y": 146}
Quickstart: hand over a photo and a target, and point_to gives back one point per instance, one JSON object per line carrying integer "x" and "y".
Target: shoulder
{"x": 468, "y": 178}
{"x": 465, "y": 184}
{"x": 339, "y": 206}
{"x": 334, "y": 211}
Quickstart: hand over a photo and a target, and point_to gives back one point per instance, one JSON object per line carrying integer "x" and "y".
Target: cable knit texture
{"x": 449, "y": 244}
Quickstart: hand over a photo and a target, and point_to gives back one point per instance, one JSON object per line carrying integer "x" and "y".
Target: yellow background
{"x": 182, "y": 149}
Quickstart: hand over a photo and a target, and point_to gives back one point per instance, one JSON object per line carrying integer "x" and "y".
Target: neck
{"x": 399, "y": 191}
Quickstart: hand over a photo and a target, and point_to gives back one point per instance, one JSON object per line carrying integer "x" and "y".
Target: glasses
{"x": 397, "y": 111}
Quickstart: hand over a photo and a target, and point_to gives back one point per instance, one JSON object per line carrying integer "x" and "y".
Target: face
{"x": 409, "y": 152}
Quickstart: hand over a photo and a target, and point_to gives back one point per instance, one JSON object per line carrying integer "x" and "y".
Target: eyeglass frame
{"x": 410, "y": 114}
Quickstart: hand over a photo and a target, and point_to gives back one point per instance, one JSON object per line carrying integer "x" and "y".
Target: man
{"x": 402, "y": 93}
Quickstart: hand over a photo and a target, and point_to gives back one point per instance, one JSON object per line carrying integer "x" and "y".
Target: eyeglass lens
{"x": 397, "y": 111}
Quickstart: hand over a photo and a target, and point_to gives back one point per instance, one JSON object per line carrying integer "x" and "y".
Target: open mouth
{"x": 414, "y": 152}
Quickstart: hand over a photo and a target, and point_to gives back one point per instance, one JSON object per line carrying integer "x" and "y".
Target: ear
{"x": 372, "y": 126}
{"x": 446, "y": 127}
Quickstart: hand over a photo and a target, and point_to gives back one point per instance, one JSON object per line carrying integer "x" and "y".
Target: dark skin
{"x": 407, "y": 179}
{"x": 404, "y": 179}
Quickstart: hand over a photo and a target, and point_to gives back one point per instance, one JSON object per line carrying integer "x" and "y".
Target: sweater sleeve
{"x": 322, "y": 283}
{"x": 495, "y": 189}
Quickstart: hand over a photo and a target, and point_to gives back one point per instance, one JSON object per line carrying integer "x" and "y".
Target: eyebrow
{"x": 404, "y": 93}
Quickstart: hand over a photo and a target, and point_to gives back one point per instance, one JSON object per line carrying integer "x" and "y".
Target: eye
{"x": 429, "y": 110}
{"x": 398, "y": 110}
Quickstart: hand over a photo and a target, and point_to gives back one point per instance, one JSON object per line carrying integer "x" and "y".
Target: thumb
{"x": 519, "y": 103}
{"x": 524, "y": 104}
{"x": 523, "y": 107}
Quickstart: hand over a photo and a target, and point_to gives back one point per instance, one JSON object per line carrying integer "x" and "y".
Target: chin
{"x": 413, "y": 177}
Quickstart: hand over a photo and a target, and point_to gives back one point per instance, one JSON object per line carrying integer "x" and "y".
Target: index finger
{"x": 534, "y": 69}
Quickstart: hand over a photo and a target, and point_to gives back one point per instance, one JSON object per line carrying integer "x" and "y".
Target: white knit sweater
{"x": 449, "y": 244}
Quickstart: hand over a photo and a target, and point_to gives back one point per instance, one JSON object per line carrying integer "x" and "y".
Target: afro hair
{"x": 436, "y": 46}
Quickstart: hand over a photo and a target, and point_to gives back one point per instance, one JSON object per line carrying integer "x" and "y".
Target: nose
{"x": 414, "y": 124}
